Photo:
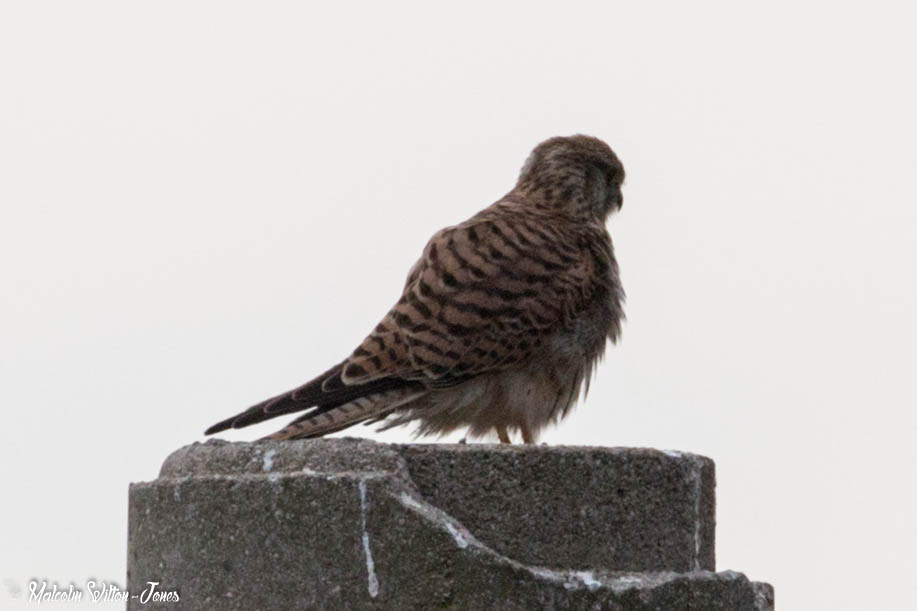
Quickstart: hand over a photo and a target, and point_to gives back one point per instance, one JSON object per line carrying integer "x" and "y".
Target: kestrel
{"x": 501, "y": 320}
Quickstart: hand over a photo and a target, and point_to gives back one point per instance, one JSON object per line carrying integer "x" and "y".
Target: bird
{"x": 501, "y": 322}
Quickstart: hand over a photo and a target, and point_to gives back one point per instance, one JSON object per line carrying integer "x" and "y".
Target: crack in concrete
{"x": 464, "y": 539}
{"x": 372, "y": 584}
{"x": 694, "y": 477}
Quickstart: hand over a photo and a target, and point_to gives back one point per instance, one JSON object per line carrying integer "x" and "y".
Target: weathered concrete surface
{"x": 330, "y": 524}
{"x": 575, "y": 507}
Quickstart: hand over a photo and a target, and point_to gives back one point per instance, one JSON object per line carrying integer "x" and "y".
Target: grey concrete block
{"x": 764, "y": 596}
{"x": 343, "y": 524}
{"x": 576, "y": 507}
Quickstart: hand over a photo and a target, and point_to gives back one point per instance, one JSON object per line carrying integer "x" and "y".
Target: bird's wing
{"x": 312, "y": 394}
{"x": 482, "y": 297}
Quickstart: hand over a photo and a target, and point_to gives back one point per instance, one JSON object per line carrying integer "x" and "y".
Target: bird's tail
{"x": 319, "y": 395}
{"x": 323, "y": 422}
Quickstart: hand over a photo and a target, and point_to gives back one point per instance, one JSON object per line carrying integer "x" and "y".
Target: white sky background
{"x": 204, "y": 204}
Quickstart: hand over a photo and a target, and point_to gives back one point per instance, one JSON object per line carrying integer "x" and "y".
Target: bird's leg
{"x": 503, "y": 435}
{"x": 526, "y": 434}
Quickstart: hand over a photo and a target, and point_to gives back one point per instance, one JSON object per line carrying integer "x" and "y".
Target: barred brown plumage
{"x": 501, "y": 320}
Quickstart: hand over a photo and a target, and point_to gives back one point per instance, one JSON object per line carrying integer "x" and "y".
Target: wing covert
{"x": 482, "y": 296}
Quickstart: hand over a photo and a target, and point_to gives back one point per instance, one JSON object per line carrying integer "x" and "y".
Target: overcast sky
{"x": 206, "y": 203}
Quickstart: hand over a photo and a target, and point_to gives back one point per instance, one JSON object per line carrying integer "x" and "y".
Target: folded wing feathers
{"x": 322, "y": 422}
{"x": 309, "y": 395}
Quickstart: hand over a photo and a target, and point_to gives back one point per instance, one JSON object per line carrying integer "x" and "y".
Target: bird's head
{"x": 580, "y": 175}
